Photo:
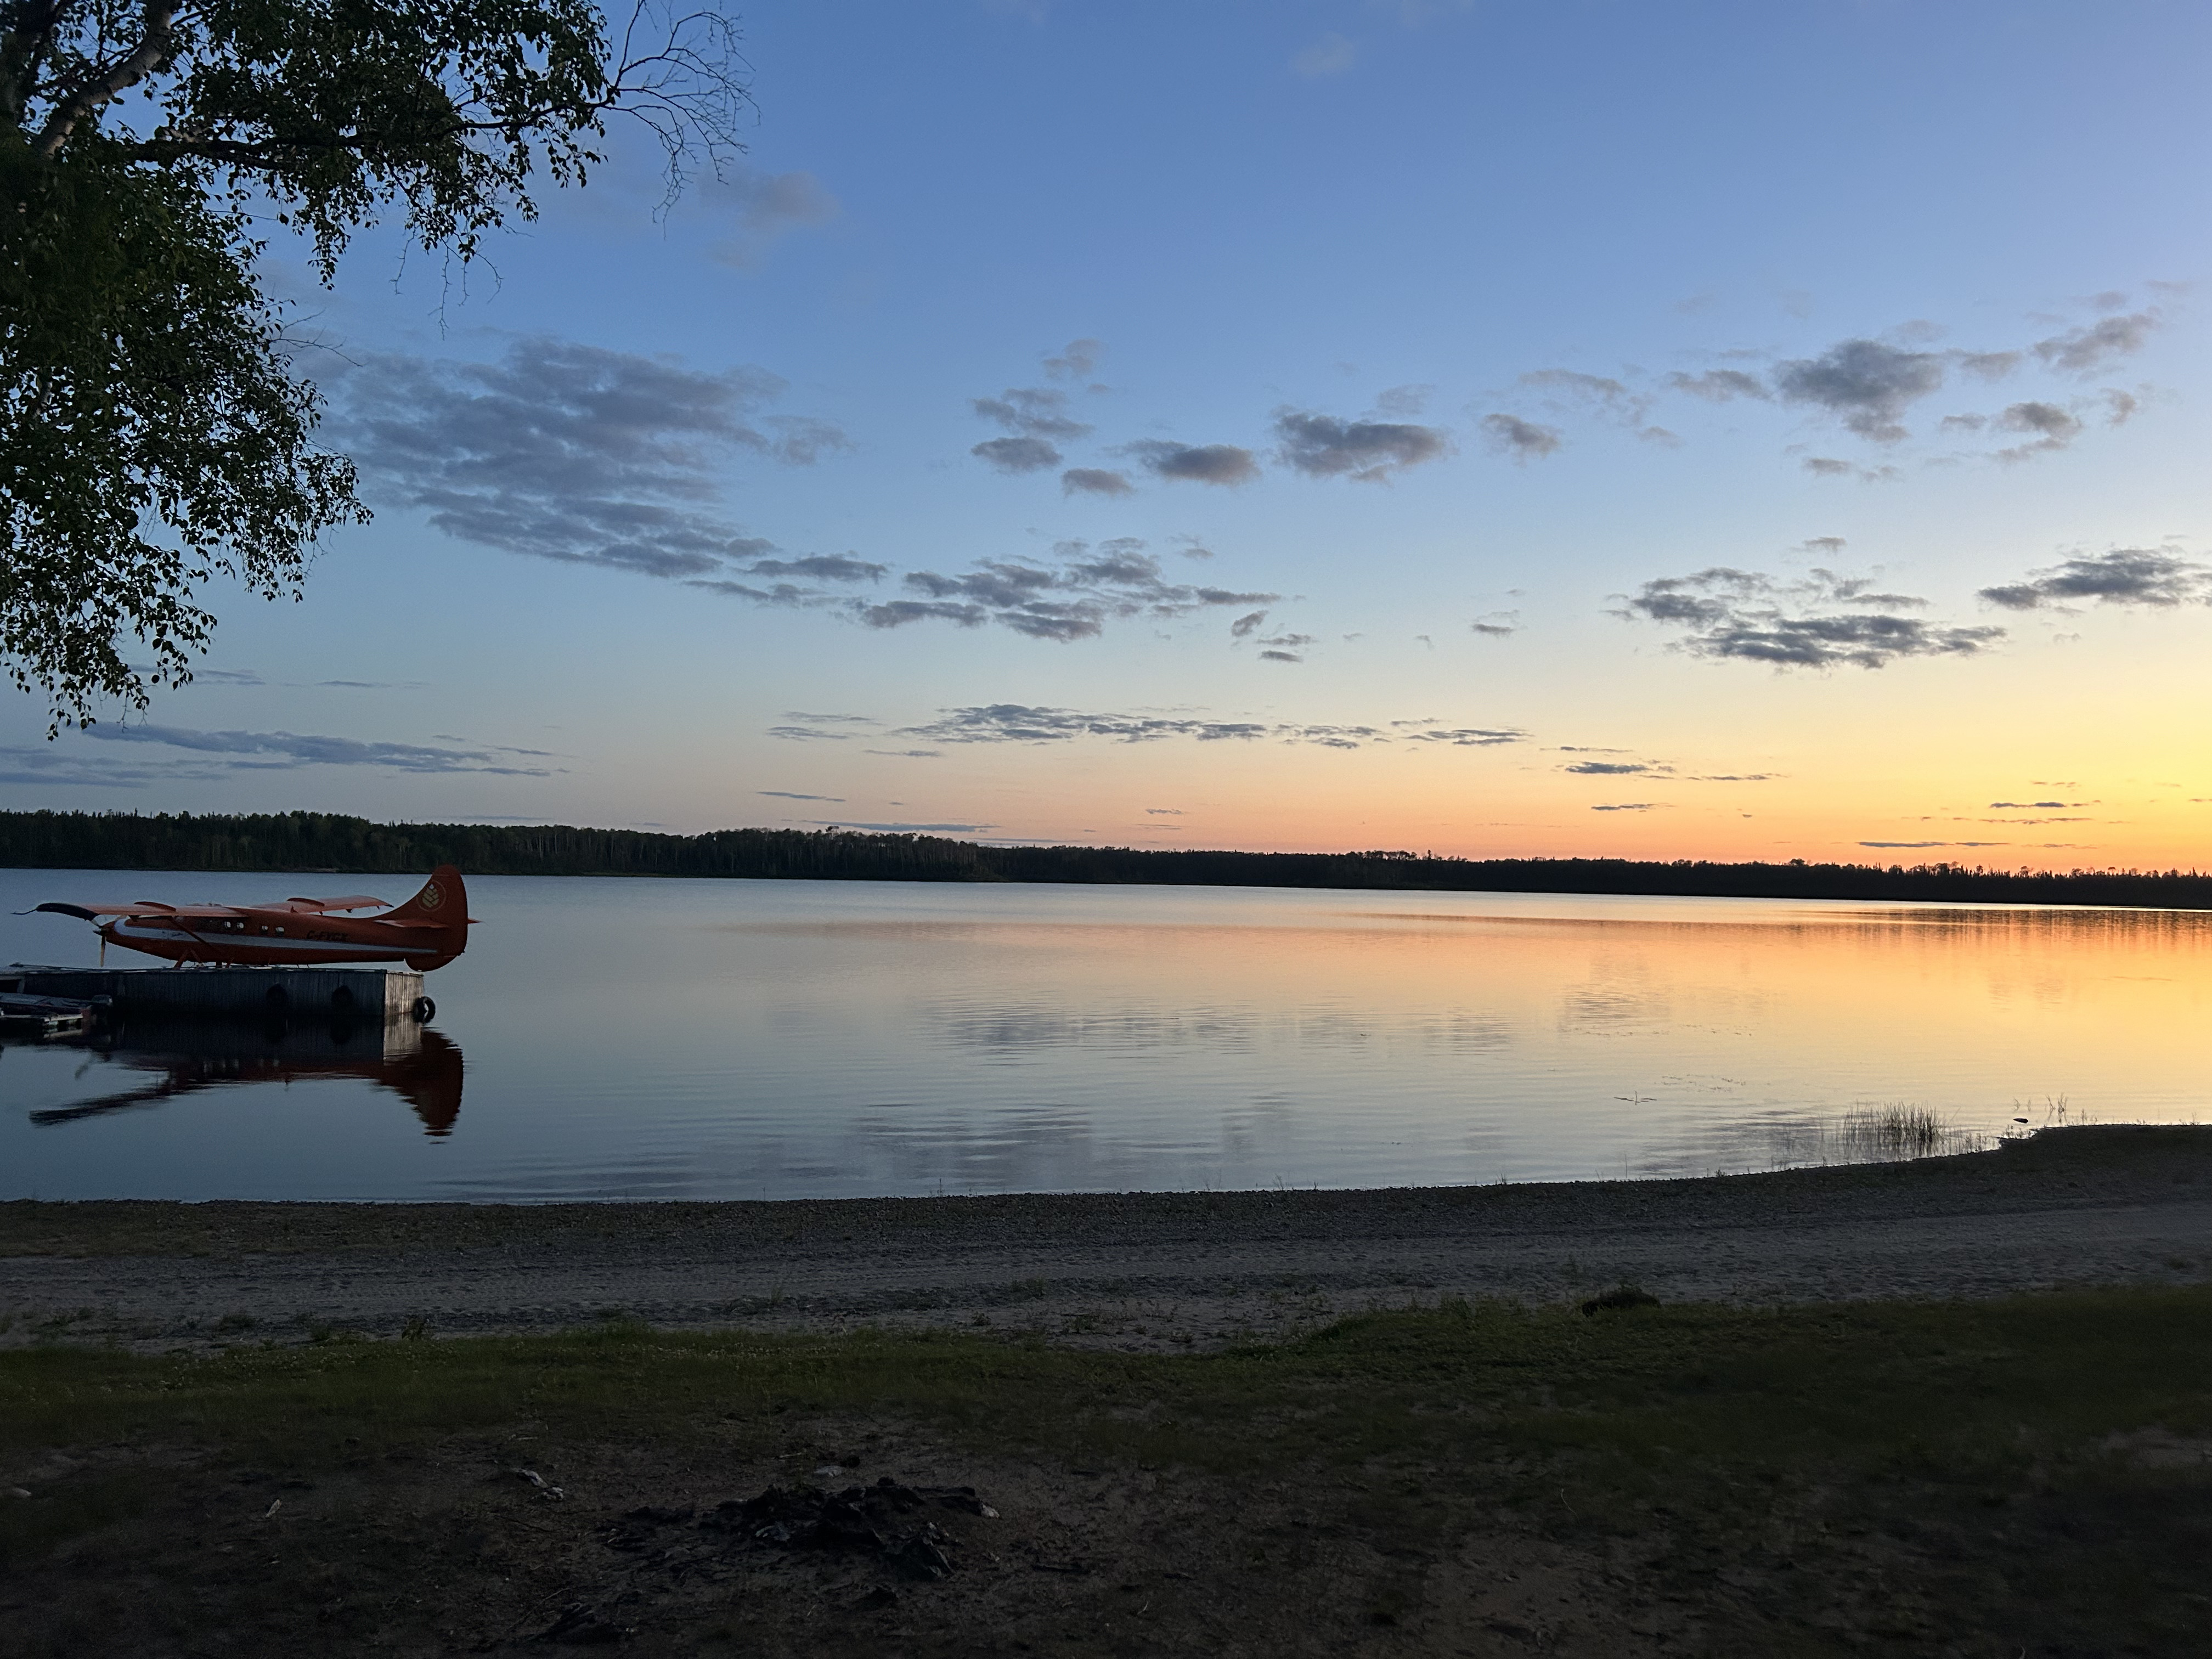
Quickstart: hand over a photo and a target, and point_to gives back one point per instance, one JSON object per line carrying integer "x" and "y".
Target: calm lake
{"x": 608, "y": 1038}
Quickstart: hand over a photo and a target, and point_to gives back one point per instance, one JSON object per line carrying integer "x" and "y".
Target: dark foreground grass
{"x": 2027, "y": 1476}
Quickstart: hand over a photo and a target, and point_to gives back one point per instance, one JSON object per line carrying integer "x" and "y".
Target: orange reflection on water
{"x": 1673, "y": 1005}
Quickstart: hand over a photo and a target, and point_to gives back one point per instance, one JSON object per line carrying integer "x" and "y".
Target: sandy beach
{"x": 2074, "y": 1206}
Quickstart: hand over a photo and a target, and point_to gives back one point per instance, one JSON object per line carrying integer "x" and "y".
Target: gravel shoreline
{"x": 2074, "y": 1206}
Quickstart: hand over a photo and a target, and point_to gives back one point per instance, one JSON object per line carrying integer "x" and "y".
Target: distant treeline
{"x": 326, "y": 841}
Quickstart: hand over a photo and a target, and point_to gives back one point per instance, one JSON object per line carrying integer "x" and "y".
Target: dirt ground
{"x": 1958, "y": 1480}
{"x": 455, "y": 1552}
{"x": 229, "y": 1429}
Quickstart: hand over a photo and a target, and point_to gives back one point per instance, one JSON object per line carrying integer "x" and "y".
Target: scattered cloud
{"x": 1827, "y": 466}
{"x": 1071, "y": 600}
{"x": 570, "y": 452}
{"x": 1332, "y": 737}
{"x": 1869, "y": 385}
{"x": 253, "y": 677}
{"x": 2031, "y": 805}
{"x": 1017, "y": 454}
{"x": 1330, "y": 55}
{"x": 1570, "y": 391}
{"x": 1404, "y": 401}
{"x": 1627, "y": 806}
{"x": 763, "y": 207}
{"x": 1007, "y": 722}
{"x": 1248, "y": 624}
{"x": 1593, "y": 388}
{"x": 1524, "y": 441}
{"x": 1719, "y": 385}
{"x": 46, "y": 766}
{"x": 1095, "y": 481}
{"x": 1280, "y": 656}
{"x": 787, "y": 794}
{"x": 284, "y": 750}
{"x": 1075, "y": 361}
{"x": 1917, "y": 843}
{"x": 1032, "y": 412}
{"x": 1865, "y": 384}
{"x": 1164, "y": 812}
{"x": 1323, "y": 447}
{"x": 1036, "y": 420}
{"x": 1571, "y": 386}
{"x": 2132, "y": 575}
{"x": 1496, "y": 625}
{"x": 821, "y": 566}
{"x": 1609, "y": 769}
{"x": 1213, "y": 464}
{"x": 2051, "y": 427}
{"x": 2086, "y": 350}
{"x": 1817, "y": 622}
{"x": 1459, "y": 736}
{"x": 793, "y": 595}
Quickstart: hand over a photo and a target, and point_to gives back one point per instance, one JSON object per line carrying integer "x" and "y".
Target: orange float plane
{"x": 427, "y": 932}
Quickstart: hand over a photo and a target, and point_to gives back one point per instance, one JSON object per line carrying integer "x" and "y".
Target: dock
{"x": 43, "y": 1016}
{"x": 385, "y": 996}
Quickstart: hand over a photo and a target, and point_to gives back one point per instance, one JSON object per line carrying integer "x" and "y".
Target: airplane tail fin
{"x": 443, "y": 902}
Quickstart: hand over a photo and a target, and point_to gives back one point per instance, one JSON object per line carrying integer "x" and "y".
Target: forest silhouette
{"x": 327, "y": 842}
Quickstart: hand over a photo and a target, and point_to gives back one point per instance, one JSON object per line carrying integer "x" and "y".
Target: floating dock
{"x": 44, "y": 1016}
{"x": 386, "y": 996}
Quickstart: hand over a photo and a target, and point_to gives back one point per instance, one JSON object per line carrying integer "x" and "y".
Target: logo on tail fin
{"x": 431, "y": 897}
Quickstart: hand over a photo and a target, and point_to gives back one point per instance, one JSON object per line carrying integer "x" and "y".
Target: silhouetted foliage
{"x": 327, "y": 841}
{"x": 154, "y": 432}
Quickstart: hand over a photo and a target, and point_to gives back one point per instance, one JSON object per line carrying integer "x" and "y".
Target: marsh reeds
{"x": 1886, "y": 1133}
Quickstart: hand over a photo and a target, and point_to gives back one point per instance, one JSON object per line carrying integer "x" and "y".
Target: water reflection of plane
{"x": 422, "y": 1067}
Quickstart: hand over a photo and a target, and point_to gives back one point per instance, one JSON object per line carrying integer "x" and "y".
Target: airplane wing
{"x": 352, "y": 901}
{"x": 95, "y": 912}
{"x": 186, "y": 913}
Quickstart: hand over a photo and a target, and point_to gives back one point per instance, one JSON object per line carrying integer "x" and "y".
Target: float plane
{"x": 427, "y": 932}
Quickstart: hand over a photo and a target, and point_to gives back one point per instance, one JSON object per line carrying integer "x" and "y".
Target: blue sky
{"x": 1466, "y": 343}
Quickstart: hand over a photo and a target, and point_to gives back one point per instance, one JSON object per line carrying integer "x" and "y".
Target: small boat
{"x": 427, "y": 932}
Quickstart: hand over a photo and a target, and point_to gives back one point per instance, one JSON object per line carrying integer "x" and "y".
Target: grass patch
{"x": 1969, "y": 1477}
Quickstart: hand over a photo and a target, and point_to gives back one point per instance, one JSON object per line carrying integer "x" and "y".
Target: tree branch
{"x": 150, "y": 54}
{"x": 31, "y": 27}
